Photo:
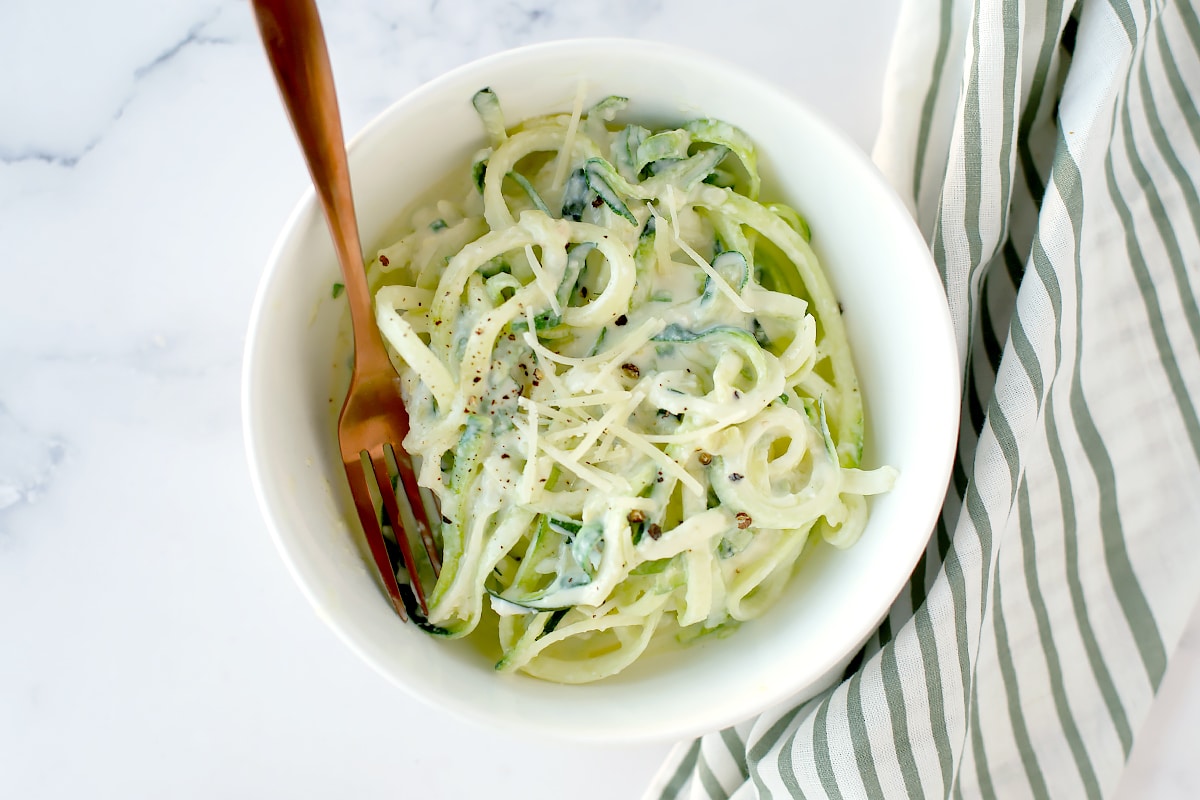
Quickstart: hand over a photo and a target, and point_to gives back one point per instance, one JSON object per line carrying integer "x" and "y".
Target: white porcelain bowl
{"x": 898, "y": 325}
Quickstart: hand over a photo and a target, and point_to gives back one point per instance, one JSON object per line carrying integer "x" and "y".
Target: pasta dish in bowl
{"x": 708, "y": 286}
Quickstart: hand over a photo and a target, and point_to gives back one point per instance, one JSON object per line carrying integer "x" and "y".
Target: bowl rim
{"x": 828, "y": 663}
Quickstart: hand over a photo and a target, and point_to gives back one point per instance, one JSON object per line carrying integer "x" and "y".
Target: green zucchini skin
{"x": 621, "y": 367}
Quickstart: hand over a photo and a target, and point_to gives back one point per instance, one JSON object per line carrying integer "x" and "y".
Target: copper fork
{"x": 373, "y": 422}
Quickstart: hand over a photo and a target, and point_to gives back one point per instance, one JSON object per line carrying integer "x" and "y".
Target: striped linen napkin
{"x": 1051, "y": 153}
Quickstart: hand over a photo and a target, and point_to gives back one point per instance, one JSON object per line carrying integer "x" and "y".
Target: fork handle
{"x": 295, "y": 43}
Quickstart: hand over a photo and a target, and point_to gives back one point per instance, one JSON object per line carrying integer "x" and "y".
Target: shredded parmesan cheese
{"x": 715, "y": 276}
{"x": 564, "y": 155}
{"x": 652, "y": 452}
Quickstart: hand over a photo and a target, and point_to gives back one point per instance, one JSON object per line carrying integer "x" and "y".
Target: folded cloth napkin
{"x": 1051, "y": 153}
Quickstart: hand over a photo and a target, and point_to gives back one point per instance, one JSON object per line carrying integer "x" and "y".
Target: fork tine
{"x": 416, "y": 500}
{"x": 365, "y": 507}
{"x": 378, "y": 459}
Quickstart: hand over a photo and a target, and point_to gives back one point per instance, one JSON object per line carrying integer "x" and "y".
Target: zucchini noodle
{"x": 629, "y": 386}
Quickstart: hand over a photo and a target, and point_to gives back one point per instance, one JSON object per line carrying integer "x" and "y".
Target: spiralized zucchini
{"x": 629, "y": 386}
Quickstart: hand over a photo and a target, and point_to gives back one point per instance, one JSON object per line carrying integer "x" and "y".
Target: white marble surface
{"x": 151, "y": 643}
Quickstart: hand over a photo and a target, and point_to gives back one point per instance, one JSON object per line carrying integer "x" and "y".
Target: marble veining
{"x": 151, "y": 642}
{"x": 27, "y": 464}
{"x": 70, "y": 141}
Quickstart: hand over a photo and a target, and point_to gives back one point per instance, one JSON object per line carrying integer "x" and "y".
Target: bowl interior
{"x": 894, "y": 308}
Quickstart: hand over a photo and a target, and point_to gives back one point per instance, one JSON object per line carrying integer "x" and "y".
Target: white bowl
{"x": 898, "y": 324}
